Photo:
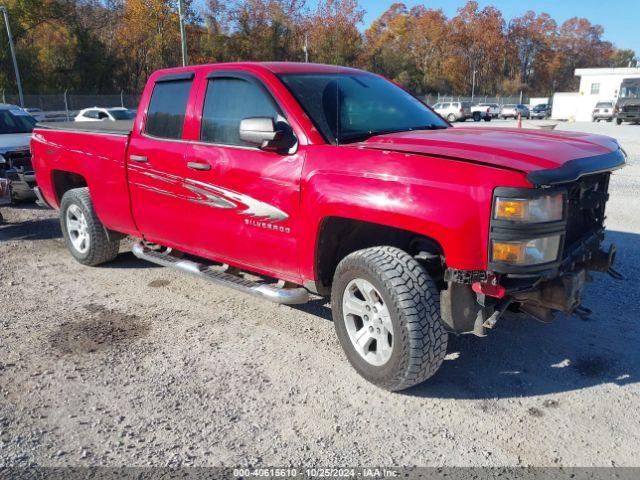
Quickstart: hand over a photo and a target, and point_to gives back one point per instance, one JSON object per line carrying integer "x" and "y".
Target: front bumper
{"x": 628, "y": 116}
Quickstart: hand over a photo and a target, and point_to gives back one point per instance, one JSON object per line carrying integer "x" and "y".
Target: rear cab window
{"x": 168, "y": 106}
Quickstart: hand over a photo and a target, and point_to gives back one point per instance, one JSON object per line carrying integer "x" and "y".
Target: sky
{"x": 620, "y": 18}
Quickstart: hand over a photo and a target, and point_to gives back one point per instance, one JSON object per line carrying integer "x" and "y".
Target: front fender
{"x": 442, "y": 199}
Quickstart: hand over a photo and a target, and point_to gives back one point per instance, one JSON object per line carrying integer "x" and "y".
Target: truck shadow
{"x": 44, "y": 229}
{"x": 522, "y": 357}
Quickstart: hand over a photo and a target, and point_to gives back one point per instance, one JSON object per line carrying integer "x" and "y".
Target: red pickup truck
{"x": 280, "y": 179}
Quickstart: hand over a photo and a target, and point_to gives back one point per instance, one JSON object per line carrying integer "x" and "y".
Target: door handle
{"x": 198, "y": 166}
{"x": 138, "y": 158}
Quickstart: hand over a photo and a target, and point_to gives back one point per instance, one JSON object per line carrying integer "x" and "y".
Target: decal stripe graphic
{"x": 218, "y": 197}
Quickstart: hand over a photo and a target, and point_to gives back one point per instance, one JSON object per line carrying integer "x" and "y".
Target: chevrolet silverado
{"x": 285, "y": 179}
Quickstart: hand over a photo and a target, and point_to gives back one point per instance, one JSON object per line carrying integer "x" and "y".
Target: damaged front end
{"x": 543, "y": 244}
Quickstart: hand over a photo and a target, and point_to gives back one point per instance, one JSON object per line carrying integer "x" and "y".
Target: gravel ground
{"x": 130, "y": 364}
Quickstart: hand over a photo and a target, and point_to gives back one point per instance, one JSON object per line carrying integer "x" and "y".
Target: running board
{"x": 288, "y": 296}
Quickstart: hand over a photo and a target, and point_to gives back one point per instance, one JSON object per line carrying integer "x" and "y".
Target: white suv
{"x": 453, "y": 111}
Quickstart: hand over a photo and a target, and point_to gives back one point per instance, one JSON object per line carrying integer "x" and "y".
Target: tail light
{"x": 487, "y": 109}
{"x": 462, "y": 110}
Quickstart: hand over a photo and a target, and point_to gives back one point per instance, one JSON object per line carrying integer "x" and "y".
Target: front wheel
{"x": 476, "y": 116}
{"x": 84, "y": 234}
{"x": 618, "y": 121}
{"x": 487, "y": 118}
{"x": 451, "y": 118}
{"x": 386, "y": 314}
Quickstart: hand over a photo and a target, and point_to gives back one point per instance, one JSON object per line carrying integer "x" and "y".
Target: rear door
{"x": 250, "y": 199}
{"x": 156, "y": 164}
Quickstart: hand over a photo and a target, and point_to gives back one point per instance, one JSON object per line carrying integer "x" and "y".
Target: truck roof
{"x": 273, "y": 67}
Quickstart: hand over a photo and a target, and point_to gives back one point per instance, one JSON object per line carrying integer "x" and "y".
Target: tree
{"x": 333, "y": 33}
{"x": 478, "y": 44}
{"x": 624, "y": 58}
{"x": 579, "y": 44}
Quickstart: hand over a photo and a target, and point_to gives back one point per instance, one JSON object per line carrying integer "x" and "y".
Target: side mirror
{"x": 267, "y": 134}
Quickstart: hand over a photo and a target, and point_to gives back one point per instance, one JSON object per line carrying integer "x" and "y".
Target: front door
{"x": 248, "y": 213}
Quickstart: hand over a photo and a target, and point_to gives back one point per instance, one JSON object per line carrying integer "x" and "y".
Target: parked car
{"x": 16, "y": 126}
{"x": 336, "y": 181}
{"x": 36, "y": 113}
{"x": 627, "y": 107}
{"x": 479, "y": 112}
{"x": 96, "y": 114}
{"x": 602, "y": 111}
{"x": 511, "y": 110}
{"x": 453, "y": 111}
{"x": 494, "y": 109}
{"x": 542, "y": 110}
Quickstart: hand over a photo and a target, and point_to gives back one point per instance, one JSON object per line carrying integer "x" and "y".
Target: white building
{"x": 596, "y": 85}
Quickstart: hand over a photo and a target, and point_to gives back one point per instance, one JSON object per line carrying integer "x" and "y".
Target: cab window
{"x": 167, "y": 108}
{"x": 228, "y": 101}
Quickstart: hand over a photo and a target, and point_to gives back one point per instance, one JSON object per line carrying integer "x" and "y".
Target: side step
{"x": 289, "y": 296}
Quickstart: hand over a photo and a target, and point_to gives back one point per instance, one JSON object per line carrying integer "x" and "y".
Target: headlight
{"x": 526, "y": 252}
{"x": 546, "y": 208}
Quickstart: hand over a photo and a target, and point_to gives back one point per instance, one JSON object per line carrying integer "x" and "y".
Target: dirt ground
{"x": 132, "y": 364}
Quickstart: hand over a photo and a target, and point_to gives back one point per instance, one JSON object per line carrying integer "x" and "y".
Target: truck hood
{"x": 546, "y": 157}
{"x": 14, "y": 141}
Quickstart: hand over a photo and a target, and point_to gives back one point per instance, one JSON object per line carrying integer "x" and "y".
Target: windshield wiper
{"x": 361, "y": 136}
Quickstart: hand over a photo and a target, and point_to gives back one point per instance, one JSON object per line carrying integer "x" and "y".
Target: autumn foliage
{"x": 104, "y": 46}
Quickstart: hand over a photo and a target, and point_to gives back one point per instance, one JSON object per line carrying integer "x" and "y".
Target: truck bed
{"x": 119, "y": 127}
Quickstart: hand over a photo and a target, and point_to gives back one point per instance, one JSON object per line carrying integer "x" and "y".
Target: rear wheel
{"x": 84, "y": 234}
{"x": 487, "y": 118}
{"x": 387, "y": 317}
{"x": 618, "y": 121}
{"x": 451, "y": 118}
{"x": 476, "y": 116}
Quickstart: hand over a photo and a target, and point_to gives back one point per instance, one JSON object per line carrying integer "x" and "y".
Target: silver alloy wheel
{"x": 77, "y": 229}
{"x": 368, "y": 322}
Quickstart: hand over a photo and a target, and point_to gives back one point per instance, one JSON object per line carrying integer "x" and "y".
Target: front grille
{"x": 19, "y": 159}
{"x": 587, "y": 199}
{"x": 631, "y": 108}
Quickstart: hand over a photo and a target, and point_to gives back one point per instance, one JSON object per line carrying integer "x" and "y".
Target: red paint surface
{"x": 435, "y": 183}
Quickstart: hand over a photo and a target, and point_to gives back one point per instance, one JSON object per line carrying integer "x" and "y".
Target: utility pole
{"x": 473, "y": 85}
{"x": 13, "y": 54}
{"x": 306, "y": 48}
{"x": 183, "y": 35}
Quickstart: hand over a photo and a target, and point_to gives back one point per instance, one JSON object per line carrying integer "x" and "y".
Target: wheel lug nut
{"x": 366, "y": 318}
{"x": 368, "y": 308}
{"x": 378, "y": 330}
{"x": 375, "y": 310}
{"x": 371, "y": 329}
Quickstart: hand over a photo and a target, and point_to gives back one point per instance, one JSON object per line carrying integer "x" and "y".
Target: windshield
{"x": 632, "y": 91}
{"x": 122, "y": 114}
{"x": 349, "y": 107}
{"x": 16, "y": 121}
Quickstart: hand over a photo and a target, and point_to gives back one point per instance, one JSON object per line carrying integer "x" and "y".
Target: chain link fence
{"x": 432, "y": 99}
{"x": 64, "y": 106}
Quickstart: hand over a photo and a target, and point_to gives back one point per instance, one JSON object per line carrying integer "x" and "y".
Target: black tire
{"x": 419, "y": 338}
{"x": 100, "y": 249}
{"x": 476, "y": 116}
{"x": 618, "y": 121}
{"x": 487, "y": 118}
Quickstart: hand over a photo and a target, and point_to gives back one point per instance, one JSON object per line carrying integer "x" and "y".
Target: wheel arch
{"x": 339, "y": 236}
{"x": 63, "y": 181}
